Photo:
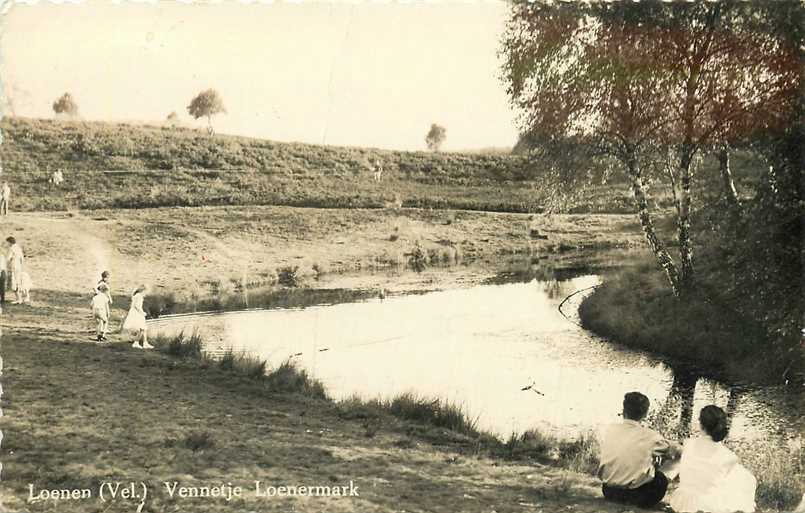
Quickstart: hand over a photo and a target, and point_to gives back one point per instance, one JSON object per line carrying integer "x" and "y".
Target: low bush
{"x": 180, "y": 345}
{"x": 198, "y": 441}
{"x": 636, "y": 308}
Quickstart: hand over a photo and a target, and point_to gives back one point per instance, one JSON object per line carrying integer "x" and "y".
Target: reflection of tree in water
{"x": 555, "y": 280}
{"x": 732, "y": 402}
{"x": 553, "y": 289}
{"x": 674, "y": 418}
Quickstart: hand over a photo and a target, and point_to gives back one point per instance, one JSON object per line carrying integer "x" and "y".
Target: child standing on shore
{"x": 105, "y": 276}
{"x": 135, "y": 320}
{"x": 100, "y": 311}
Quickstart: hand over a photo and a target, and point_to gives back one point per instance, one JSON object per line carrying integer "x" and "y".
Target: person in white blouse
{"x": 711, "y": 479}
{"x": 16, "y": 259}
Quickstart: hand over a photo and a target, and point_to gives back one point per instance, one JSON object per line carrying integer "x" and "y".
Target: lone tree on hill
{"x": 205, "y": 105}
{"x": 435, "y": 137}
{"x": 66, "y": 105}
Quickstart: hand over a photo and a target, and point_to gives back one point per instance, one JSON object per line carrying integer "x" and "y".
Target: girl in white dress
{"x": 710, "y": 477}
{"x": 135, "y": 320}
{"x": 15, "y": 262}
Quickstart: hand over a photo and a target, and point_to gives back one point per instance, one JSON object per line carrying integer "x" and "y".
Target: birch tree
{"x": 644, "y": 79}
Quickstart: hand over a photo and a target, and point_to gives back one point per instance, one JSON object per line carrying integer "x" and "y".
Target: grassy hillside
{"x": 126, "y": 166}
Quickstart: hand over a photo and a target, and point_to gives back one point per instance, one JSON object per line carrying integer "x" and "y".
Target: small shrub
{"x": 433, "y": 412}
{"x": 581, "y": 454}
{"x": 780, "y": 475}
{"x": 288, "y": 276}
{"x": 417, "y": 259}
{"x": 319, "y": 270}
{"x": 532, "y": 444}
{"x": 291, "y": 379}
{"x": 158, "y": 305}
{"x": 181, "y": 346}
{"x": 227, "y": 361}
{"x": 198, "y": 441}
{"x": 251, "y": 366}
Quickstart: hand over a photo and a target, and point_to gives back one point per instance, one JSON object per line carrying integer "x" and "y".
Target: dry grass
{"x": 146, "y": 416}
{"x": 141, "y": 166}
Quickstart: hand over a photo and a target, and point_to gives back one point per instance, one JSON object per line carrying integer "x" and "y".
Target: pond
{"x": 503, "y": 350}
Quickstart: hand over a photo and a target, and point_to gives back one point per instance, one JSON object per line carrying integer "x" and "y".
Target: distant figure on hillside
{"x": 378, "y": 172}
{"x": 100, "y": 311}
{"x": 16, "y": 260}
{"x": 5, "y": 198}
{"x": 135, "y": 320}
{"x": 629, "y": 453}
{"x": 57, "y": 178}
{"x": 710, "y": 477}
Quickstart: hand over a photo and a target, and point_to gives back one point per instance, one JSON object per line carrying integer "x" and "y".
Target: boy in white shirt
{"x": 100, "y": 311}
{"x": 628, "y": 454}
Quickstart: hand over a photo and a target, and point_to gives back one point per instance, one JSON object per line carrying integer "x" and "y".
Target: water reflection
{"x": 489, "y": 348}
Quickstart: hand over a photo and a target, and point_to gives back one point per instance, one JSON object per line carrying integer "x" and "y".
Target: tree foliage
{"x": 206, "y": 105}
{"x": 66, "y": 105}
{"x": 652, "y": 84}
{"x": 436, "y": 136}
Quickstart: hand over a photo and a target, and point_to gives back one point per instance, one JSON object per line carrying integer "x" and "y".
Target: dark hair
{"x": 635, "y": 406}
{"x": 11, "y": 240}
{"x": 714, "y": 422}
{"x": 105, "y": 274}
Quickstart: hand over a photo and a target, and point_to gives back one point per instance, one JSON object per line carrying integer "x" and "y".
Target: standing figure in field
{"x": 57, "y": 178}
{"x": 16, "y": 260}
{"x": 100, "y": 311}
{"x": 105, "y": 277}
{"x": 710, "y": 477}
{"x": 135, "y": 320}
{"x": 629, "y": 457}
{"x": 378, "y": 171}
{"x": 3, "y": 277}
{"x": 5, "y": 198}
{"x": 24, "y": 287}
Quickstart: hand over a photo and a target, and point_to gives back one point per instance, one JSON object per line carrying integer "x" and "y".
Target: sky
{"x": 356, "y": 74}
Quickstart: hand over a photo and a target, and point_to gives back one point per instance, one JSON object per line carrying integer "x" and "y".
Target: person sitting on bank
{"x": 711, "y": 478}
{"x": 628, "y": 455}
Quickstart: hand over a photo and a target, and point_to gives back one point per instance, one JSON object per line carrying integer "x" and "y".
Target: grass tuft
{"x": 198, "y": 441}
{"x": 531, "y": 444}
{"x": 180, "y": 345}
{"x": 434, "y": 412}
{"x": 289, "y": 378}
{"x": 780, "y": 475}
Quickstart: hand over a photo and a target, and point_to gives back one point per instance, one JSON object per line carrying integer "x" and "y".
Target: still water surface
{"x": 504, "y": 351}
